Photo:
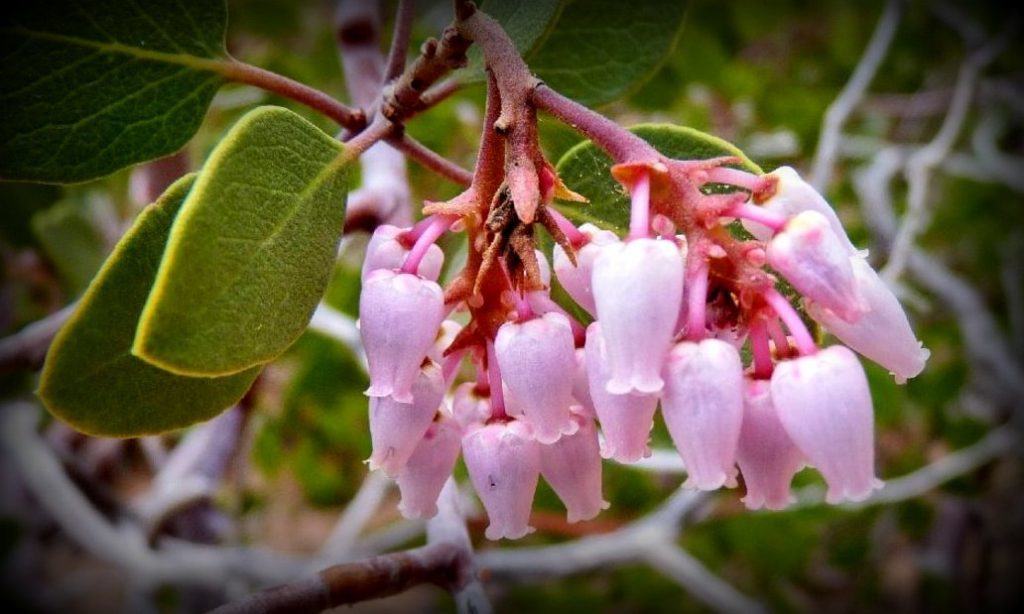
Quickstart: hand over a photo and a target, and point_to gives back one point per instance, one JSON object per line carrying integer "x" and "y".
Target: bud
{"x": 883, "y": 333}
{"x": 572, "y": 466}
{"x": 385, "y": 251}
{"x": 808, "y": 254}
{"x": 626, "y": 419}
{"x": 535, "y": 358}
{"x": 431, "y": 464}
{"x": 503, "y": 461}
{"x": 703, "y": 408}
{"x": 638, "y": 287}
{"x": 766, "y": 455}
{"x": 399, "y": 315}
{"x": 824, "y": 403}
{"x": 446, "y": 333}
{"x": 396, "y": 428}
{"x": 576, "y": 279}
{"x": 792, "y": 196}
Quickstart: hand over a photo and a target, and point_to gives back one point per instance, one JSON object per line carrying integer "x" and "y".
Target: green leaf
{"x": 599, "y": 50}
{"x": 73, "y": 236}
{"x": 252, "y": 250}
{"x": 587, "y": 169}
{"x": 90, "y": 86}
{"x": 527, "y": 22}
{"x": 92, "y": 381}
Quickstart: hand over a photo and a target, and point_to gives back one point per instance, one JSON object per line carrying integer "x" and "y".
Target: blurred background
{"x": 947, "y": 534}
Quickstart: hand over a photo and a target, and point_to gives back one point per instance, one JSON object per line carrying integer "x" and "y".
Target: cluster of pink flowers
{"x": 660, "y": 336}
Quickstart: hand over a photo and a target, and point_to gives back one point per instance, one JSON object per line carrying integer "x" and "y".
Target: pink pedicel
{"x": 576, "y": 279}
{"x": 702, "y": 405}
{"x": 396, "y": 428}
{"x": 421, "y": 479}
{"x": 809, "y": 255}
{"x": 638, "y": 287}
{"x": 626, "y": 419}
{"x": 581, "y": 386}
{"x": 883, "y": 333}
{"x": 792, "y": 196}
{"x": 503, "y": 461}
{"x": 824, "y": 404}
{"x": 535, "y": 357}
{"x": 399, "y": 316}
{"x": 385, "y": 251}
{"x": 766, "y": 455}
{"x": 572, "y": 466}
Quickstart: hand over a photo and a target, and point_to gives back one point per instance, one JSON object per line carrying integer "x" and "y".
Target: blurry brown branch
{"x": 26, "y": 349}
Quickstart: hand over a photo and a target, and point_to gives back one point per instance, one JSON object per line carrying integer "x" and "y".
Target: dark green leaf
{"x": 92, "y": 381}
{"x": 89, "y": 87}
{"x": 251, "y": 253}
{"x": 527, "y": 22}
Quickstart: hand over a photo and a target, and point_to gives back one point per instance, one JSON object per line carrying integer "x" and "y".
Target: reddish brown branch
{"x": 437, "y": 58}
{"x": 432, "y": 160}
{"x": 400, "y": 39}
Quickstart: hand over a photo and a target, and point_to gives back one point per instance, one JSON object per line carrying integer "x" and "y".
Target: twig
{"x": 676, "y": 564}
{"x": 436, "y": 59}
{"x": 432, "y": 160}
{"x": 449, "y": 527}
{"x": 26, "y": 349}
{"x": 360, "y": 510}
{"x": 400, "y": 39}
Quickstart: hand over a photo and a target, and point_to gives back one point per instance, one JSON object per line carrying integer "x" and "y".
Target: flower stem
{"x": 797, "y": 329}
{"x": 757, "y": 214}
{"x": 430, "y": 233}
{"x": 778, "y": 337}
{"x": 760, "y": 349}
{"x": 640, "y": 207}
{"x": 738, "y": 178}
{"x": 494, "y": 383}
{"x": 696, "y": 299}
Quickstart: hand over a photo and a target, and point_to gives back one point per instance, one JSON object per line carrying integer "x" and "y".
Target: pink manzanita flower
{"x": 537, "y": 359}
{"x": 824, "y": 403}
{"x": 766, "y": 455}
{"x": 883, "y": 333}
{"x": 385, "y": 251}
{"x": 626, "y": 419}
{"x": 581, "y": 385}
{"x": 809, "y": 255}
{"x": 576, "y": 279}
{"x": 421, "y": 479}
{"x": 638, "y": 287}
{"x": 703, "y": 408}
{"x": 396, "y": 428}
{"x": 503, "y": 461}
{"x": 792, "y": 196}
{"x": 399, "y": 315}
{"x": 572, "y": 466}
{"x": 469, "y": 407}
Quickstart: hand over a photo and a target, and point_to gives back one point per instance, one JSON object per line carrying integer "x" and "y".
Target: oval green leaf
{"x": 90, "y": 86}
{"x": 92, "y": 381}
{"x": 251, "y": 252}
{"x": 587, "y": 169}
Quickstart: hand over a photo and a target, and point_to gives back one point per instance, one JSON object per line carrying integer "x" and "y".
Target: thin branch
{"x": 448, "y": 526}
{"x": 676, "y": 564}
{"x": 26, "y": 349}
{"x": 360, "y": 510}
{"x": 853, "y": 92}
{"x": 432, "y": 160}
{"x": 440, "y": 92}
{"x": 437, "y": 58}
{"x": 400, "y": 39}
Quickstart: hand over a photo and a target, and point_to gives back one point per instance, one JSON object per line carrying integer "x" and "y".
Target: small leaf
{"x": 92, "y": 381}
{"x": 587, "y": 169}
{"x": 252, "y": 250}
{"x": 89, "y": 87}
{"x": 599, "y": 50}
{"x": 75, "y": 234}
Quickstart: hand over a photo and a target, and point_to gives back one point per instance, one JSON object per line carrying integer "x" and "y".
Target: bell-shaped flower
{"x": 809, "y": 255}
{"x": 399, "y": 316}
{"x": 576, "y": 278}
{"x": 638, "y": 287}
{"x": 447, "y": 332}
{"x": 626, "y": 419}
{"x": 883, "y": 333}
{"x": 396, "y": 428}
{"x": 824, "y": 403}
{"x": 386, "y": 251}
{"x": 536, "y": 359}
{"x": 572, "y": 466}
{"x": 703, "y": 408}
{"x": 469, "y": 407}
{"x": 503, "y": 461}
{"x": 792, "y": 196}
{"x": 766, "y": 455}
{"x": 581, "y": 386}
{"x": 421, "y": 479}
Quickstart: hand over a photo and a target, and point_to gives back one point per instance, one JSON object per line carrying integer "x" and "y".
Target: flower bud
{"x": 766, "y": 455}
{"x": 703, "y": 408}
{"x": 396, "y": 428}
{"x": 385, "y": 251}
{"x": 626, "y": 419}
{"x": 535, "y": 357}
{"x": 431, "y": 464}
{"x": 503, "y": 461}
{"x": 638, "y": 287}
{"x": 399, "y": 315}
{"x": 883, "y": 333}
{"x": 446, "y": 333}
{"x": 808, "y": 254}
{"x": 572, "y": 466}
{"x": 824, "y": 403}
{"x": 792, "y": 196}
{"x": 576, "y": 279}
